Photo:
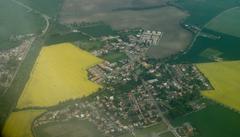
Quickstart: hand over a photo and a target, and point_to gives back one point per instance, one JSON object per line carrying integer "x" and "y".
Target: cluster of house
{"x": 151, "y": 37}
{"x": 10, "y": 59}
{"x": 115, "y": 111}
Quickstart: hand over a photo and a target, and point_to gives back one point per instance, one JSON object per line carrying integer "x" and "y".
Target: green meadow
{"x": 213, "y": 121}
{"x": 228, "y": 22}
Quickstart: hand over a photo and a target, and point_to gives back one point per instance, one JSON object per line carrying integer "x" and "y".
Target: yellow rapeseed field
{"x": 225, "y": 78}
{"x": 59, "y": 74}
{"x": 19, "y": 124}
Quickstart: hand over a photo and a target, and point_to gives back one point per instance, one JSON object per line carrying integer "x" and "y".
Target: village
{"x": 137, "y": 93}
{"x": 10, "y": 60}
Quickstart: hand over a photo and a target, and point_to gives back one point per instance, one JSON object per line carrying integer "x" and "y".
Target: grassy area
{"x": 114, "y": 56}
{"x": 48, "y": 7}
{"x": 90, "y": 45}
{"x": 204, "y": 49}
{"x": 57, "y": 38}
{"x": 202, "y": 11}
{"x": 148, "y": 131}
{"x": 97, "y": 29}
{"x": 227, "y": 22}
{"x": 167, "y": 134}
{"x": 19, "y": 123}
{"x": 72, "y": 128}
{"x": 17, "y": 21}
{"x": 61, "y": 70}
{"x": 224, "y": 77}
{"x": 214, "y": 121}
{"x": 73, "y": 9}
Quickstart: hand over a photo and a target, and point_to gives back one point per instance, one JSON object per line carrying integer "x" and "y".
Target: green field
{"x": 205, "y": 49}
{"x": 72, "y": 128}
{"x": 146, "y": 132}
{"x": 66, "y": 37}
{"x": 224, "y": 77}
{"x": 17, "y": 21}
{"x": 167, "y": 134}
{"x": 114, "y": 56}
{"x": 48, "y": 7}
{"x": 228, "y": 22}
{"x": 202, "y": 11}
{"x": 165, "y": 19}
{"x": 97, "y": 29}
{"x": 90, "y": 45}
{"x": 214, "y": 121}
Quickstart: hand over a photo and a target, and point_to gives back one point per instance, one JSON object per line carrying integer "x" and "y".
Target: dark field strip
{"x": 68, "y": 37}
{"x": 213, "y": 121}
{"x": 227, "y": 45}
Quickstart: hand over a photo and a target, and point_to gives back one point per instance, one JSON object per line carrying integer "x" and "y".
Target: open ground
{"x": 227, "y": 22}
{"x": 165, "y": 19}
{"x": 17, "y": 21}
{"x": 72, "y": 128}
{"x": 213, "y": 121}
{"x": 79, "y": 8}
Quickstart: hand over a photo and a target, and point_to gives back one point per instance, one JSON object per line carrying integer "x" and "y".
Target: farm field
{"x": 149, "y": 131}
{"x": 48, "y": 7}
{"x": 17, "y": 21}
{"x": 19, "y": 123}
{"x": 166, "y": 19}
{"x": 168, "y": 134}
{"x": 114, "y": 56}
{"x": 59, "y": 74}
{"x": 90, "y": 45}
{"x": 73, "y": 8}
{"x": 213, "y": 121}
{"x": 224, "y": 77}
{"x": 202, "y": 11}
{"x": 72, "y": 128}
{"x": 207, "y": 50}
{"x": 227, "y": 22}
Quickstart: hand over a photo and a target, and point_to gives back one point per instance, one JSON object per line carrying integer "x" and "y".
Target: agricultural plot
{"x": 213, "y": 121}
{"x": 149, "y": 131}
{"x": 210, "y": 50}
{"x": 202, "y": 11}
{"x": 73, "y": 8}
{"x": 49, "y": 7}
{"x": 228, "y": 22}
{"x": 17, "y": 21}
{"x": 90, "y": 45}
{"x": 114, "y": 56}
{"x": 19, "y": 123}
{"x": 224, "y": 77}
{"x": 165, "y": 19}
{"x": 59, "y": 74}
{"x": 72, "y": 128}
